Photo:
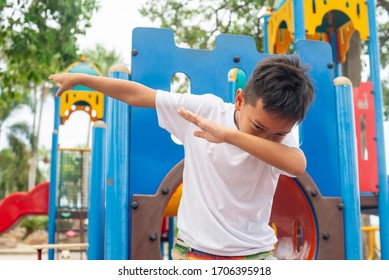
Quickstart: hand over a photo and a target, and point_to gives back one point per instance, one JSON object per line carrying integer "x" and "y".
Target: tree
{"x": 8, "y": 103}
{"x": 102, "y": 58}
{"x": 197, "y": 23}
{"x": 14, "y": 160}
{"x": 383, "y": 34}
{"x": 383, "y": 30}
{"x": 38, "y": 38}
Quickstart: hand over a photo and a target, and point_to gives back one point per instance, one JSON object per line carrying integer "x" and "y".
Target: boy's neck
{"x": 235, "y": 122}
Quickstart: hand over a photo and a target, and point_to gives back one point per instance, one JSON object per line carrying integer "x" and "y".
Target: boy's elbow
{"x": 299, "y": 171}
{"x": 300, "y": 166}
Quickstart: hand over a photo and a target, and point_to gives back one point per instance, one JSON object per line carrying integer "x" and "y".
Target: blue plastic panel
{"x": 158, "y": 58}
{"x": 318, "y": 132}
{"x": 153, "y": 153}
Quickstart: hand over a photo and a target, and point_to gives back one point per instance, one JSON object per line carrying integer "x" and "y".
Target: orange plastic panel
{"x": 172, "y": 207}
{"x": 294, "y": 222}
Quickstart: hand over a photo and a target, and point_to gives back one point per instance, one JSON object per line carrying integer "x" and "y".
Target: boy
{"x": 230, "y": 177}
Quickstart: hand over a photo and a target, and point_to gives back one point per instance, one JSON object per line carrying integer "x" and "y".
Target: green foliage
{"x": 33, "y": 223}
{"x": 72, "y": 168}
{"x": 37, "y": 38}
{"x": 14, "y": 160}
{"x": 385, "y": 93}
{"x": 102, "y": 58}
{"x": 383, "y": 30}
{"x": 383, "y": 34}
{"x": 8, "y": 103}
{"x": 197, "y": 23}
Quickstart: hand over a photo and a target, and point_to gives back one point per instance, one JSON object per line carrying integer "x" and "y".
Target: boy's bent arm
{"x": 288, "y": 159}
{"x": 132, "y": 93}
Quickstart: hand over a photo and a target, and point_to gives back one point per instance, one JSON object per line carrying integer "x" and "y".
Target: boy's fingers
{"x": 53, "y": 77}
{"x": 198, "y": 133}
{"x": 59, "y": 92}
{"x": 185, "y": 114}
{"x": 189, "y": 116}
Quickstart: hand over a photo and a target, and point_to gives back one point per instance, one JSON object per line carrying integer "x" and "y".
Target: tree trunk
{"x": 32, "y": 160}
{"x": 43, "y": 100}
{"x": 1, "y": 127}
{"x": 35, "y": 137}
{"x": 352, "y": 67}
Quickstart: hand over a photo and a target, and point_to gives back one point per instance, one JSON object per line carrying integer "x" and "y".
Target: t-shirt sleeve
{"x": 167, "y": 104}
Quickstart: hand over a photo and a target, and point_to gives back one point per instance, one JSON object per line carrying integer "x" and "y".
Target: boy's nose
{"x": 267, "y": 135}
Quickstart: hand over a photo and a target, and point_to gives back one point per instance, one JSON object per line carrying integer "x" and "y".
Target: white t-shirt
{"x": 227, "y": 193}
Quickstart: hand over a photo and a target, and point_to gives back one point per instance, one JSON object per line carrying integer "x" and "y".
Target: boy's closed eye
{"x": 258, "y": 127}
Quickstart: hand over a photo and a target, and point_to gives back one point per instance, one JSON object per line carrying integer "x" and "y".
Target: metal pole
{"x": 299, "y": 22}
{"x": 96, "y": 215}
{"x": 383, "y": 194}
{"x": 348, "y": 163}
{"x": 337, "y": 65}
{"x": 117, "y": 233}
{"x": 53, "y": 179}
{"x": 266, "y": 18}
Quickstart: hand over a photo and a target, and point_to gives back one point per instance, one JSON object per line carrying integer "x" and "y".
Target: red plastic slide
{"x": 16, "y": 205}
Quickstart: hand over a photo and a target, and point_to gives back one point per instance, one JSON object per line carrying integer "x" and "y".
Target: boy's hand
{"x": 210, "y": 131}
{"x": 66, "y": 81}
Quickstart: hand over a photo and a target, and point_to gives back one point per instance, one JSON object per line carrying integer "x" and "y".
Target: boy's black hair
{"x": 281, "y": 82}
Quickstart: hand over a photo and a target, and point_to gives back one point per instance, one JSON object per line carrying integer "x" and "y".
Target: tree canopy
{"x": 37, "y": 38}
{"x": 196, "y": 23}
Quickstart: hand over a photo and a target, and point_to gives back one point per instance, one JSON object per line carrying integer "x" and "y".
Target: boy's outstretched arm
{"x": 132, "y": 93}
{"x": 288, "y": 159}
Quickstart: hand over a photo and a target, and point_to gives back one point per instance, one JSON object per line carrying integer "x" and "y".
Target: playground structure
{"x": 337, "y": 23}
{"x": 70, "y": 168}
{"x": 16, "y": 205}
{"x": 327, "y": 136}
{"x": 321, "y": 238}
{"x": 66, "y": 198}
{"x": 138, "y": 178}
{"x": 316, "y": 216}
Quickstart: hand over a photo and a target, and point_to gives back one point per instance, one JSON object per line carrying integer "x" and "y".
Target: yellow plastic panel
{"x": 319, "y": 36}
{"x": 174, "y": 202}
{"x": 284, "y": 38}
{"x": 94, "y": 106}
{"x": 356, "y": 10}
{"x": 283, "y": 14}
{"x": 343, "y": 36}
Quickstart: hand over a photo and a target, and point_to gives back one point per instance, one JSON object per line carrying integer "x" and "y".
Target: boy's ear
{"x": 239, "y": 99}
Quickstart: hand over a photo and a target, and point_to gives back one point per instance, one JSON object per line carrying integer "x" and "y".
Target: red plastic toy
{"x": 18, "y": 204}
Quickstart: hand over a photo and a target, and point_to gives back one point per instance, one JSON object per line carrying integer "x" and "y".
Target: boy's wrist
{"x": 229, "y": 135}
{"x": 79, "y": 78}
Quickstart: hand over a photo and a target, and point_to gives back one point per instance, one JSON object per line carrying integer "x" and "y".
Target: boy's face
{"x": 257, "y": 122}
